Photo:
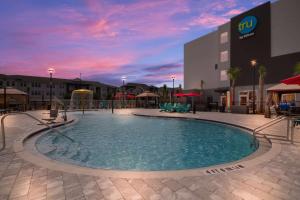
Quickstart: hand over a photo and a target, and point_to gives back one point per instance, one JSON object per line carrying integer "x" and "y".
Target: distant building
{"x": 138, "y": 88}
{"x": 268, "y": 33}
{"x": 38, "y": 88}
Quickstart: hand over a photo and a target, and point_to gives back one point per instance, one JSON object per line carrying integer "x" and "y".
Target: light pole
{"x": 253, "y": 64}
{"x": 51, "y": 71}
{"x": 123, "y": 91}
{"x": 173, "y": 78}
{"x": 4, "y": 94}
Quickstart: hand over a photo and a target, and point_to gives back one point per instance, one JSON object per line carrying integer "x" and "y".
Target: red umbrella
{"x": 292, "y": 80}
{"x": 192, "y": 94}
{"x": 130, "y": 96}
{"x": 179, "y": 95}
{"x": 120, "y": 95}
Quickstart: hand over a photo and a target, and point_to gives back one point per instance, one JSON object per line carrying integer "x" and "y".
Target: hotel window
{"x": 223, "y": 75}
{"x": 224, "y": 37}
{"x": 224, "y": 56}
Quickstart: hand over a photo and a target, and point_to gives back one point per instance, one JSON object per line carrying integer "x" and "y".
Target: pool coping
{"x": 28, "y": 152}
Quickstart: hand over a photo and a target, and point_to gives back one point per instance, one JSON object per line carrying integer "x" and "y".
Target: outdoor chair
{"x": 163, "y": 107}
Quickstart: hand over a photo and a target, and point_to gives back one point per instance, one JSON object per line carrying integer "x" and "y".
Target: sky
{"x": 107, "y": 39}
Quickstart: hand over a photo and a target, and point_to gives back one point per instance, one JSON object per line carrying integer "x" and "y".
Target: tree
{"x": 202, "y": 100}
{"x": 297, "y": 69}
{"x": 165, "y": 92}
{"x": 180, "y": 88}
{"x": 233, "y": 73}
{"x": 202, "y": 84}
{"x": 262, "y": 73}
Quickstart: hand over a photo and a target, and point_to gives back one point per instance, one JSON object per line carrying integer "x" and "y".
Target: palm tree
{"x": 202, "y": 90}
{"x": 165, "y": 92}
{"x": 202, "y": 84}
{"x": 262, "y": 73}
{"x": 180, "y": 88}
{"x": 233, "y": 73}
{"x": 297, "y": 69}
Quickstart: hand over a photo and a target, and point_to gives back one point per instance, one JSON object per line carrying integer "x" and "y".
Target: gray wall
{"x": 223, "y": 47}
{"x": 285, "y": 25}
{"x": 200, "y": 57}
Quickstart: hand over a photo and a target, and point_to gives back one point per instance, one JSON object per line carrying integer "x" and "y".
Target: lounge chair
{"x": 184, "y": 108}
{"x": 163, "y": 107}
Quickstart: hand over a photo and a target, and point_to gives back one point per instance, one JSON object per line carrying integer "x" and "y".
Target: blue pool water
{"x": 125, "y": 142}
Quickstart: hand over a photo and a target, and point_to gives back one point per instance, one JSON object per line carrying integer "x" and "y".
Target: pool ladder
{"x": 267, "y": 125}
{"x": 32, "y": 117}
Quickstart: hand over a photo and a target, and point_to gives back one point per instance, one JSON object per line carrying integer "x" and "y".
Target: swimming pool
{"x": 128, "y": 142}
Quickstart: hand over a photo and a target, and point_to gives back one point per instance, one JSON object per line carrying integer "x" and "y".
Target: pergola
{"x": 148, "y": 96}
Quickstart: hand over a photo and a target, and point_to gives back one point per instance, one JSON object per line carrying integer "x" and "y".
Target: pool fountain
{"x": 81, "y": 99}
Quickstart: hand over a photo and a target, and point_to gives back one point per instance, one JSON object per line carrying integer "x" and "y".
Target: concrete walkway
{"x": 278, "y": 178}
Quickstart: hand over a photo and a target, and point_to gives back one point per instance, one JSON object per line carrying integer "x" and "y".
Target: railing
{"x": 268, "y": 124}
{"x": 32, "y": 117}
{"x": 276, "y": 121}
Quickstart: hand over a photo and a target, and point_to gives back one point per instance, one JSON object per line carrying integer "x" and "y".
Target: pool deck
{"x": 275, "y": 178}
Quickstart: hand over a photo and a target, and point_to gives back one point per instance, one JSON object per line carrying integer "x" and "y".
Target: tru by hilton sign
{"x": 247, "y": 26}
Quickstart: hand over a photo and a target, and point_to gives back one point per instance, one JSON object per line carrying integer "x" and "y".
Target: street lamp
{"x": 4, "y": 94}
{"x": 253, "y": 64}
{"x": 123, "y": 82}
{"x": 173, "y": 78}
{"x": 51, "y": 72}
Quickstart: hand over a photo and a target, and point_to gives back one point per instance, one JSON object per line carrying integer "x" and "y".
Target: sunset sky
{"x": 106, "y": 39}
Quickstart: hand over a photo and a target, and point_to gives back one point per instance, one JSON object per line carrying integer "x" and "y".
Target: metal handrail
{"x": 267, "y": 125}
{"x": 31, "y": 116}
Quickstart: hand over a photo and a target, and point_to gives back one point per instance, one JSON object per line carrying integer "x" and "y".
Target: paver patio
{"x": 278, "y": 178}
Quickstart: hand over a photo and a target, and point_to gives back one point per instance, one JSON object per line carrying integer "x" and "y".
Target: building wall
{"x": 200, "y": 58}
{"x": 257, "y": 46}
{"x": 285, "y": 38}
{"x": 224, "y": 66}
{"x": 239, "y": 89}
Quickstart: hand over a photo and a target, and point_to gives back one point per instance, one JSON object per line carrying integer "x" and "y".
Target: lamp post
{"x": 173, "y": 78}
{"x": 123, "y": 91}
{"x": 51, "y": 71}
{"x": 253, "y": 64}
{"x": 4, "y": 95}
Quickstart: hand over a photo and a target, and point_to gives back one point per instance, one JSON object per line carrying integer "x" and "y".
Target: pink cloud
{"x": 234, "y": 12}
{"x": 222, "y": 5}
{"x": 208, "y": 20}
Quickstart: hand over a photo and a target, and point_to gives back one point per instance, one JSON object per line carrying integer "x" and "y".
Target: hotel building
{"x": 38, "y": 88}
{"x": 269, "y": 33}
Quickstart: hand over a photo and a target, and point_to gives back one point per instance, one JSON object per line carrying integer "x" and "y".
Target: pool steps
{"x": 58, "y": 146}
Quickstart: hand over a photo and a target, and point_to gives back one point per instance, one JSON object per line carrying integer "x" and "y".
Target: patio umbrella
{"x": 192, "y": 94}
{"x": 180, "y": 95}
{"x": 120, "y": 95}
{"x": 292, "y": 80}
{"x": 130, "y": 96}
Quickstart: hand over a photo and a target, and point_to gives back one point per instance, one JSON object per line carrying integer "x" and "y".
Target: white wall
{"x": 285, "y": 27}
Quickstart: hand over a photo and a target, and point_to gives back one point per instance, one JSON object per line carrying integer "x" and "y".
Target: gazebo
{"x": 147, "y": 99}
{"x": 15, "y": 99}
{"x": 283, "y": 92}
